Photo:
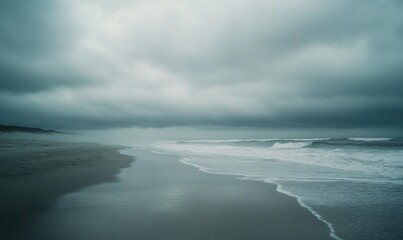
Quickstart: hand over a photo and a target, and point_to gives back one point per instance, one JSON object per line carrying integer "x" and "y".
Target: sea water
{"x": 354, "y": 185}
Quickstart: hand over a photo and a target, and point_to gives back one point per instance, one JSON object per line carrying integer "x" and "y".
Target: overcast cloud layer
{"x": 157, "y": 63}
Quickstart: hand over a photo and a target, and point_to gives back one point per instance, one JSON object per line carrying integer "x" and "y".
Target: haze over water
{"x": 132, "y": 72}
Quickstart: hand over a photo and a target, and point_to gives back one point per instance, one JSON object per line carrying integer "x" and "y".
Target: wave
{"x": 228, "y": 140}
{"x": 293, "y": 143}
{"x": 290, "y": 145}
{"x": 370, "y": 139}
{"x": 360, "y": 142}
{"x": 315, "y": 213}
{"x": 310, "y": 161}
{"x": 251, "y": 140}
{"x": 279, "y": 188}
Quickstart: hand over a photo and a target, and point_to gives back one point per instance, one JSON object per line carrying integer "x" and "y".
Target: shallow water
{"x": 160, "y": 198}
{"x": 354, "y": 185}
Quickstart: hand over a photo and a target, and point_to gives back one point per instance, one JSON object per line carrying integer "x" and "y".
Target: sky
{"x": 263, "y": 64}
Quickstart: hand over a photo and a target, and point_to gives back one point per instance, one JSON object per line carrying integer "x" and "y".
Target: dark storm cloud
{"x": 80, "y": 64}
{"x": 33, "y": 40}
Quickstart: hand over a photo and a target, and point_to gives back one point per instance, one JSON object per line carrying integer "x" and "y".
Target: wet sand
{"x": 34, "y": 174}
{"x": 160, "y": 198}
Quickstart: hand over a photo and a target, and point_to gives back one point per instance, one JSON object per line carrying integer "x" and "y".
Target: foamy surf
{"x": 278, "y": 189}
{"x": 290, "y": 145}
{"x": 319, "y": 173}
{"x": 370, "y": 139}
{"x": 316, "y": 214}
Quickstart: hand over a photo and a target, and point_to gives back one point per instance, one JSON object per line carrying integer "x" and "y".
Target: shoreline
{"x": 279, "y": 189}
{"x": 354, "y": 184}
{"x": 159, "y": 197}
{"x": 34, "y": 174}
{"x": 159, "y": 190}
{"x": 304, "y": 205}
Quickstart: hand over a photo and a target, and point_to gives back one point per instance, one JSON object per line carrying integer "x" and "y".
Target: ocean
{"x": 354, "y": 185}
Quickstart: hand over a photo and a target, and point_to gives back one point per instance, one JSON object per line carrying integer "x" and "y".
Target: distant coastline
{"x": 12, "y": 129}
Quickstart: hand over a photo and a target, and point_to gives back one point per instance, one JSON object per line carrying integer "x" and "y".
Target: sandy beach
{"x": 34, "y": 174}
{"x": 46, "y": 195}
{"x": 160, "y": 198}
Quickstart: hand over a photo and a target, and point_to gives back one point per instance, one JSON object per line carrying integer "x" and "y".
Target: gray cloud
{"x": 34, "y": 40}
{"x": 98, "y": 64}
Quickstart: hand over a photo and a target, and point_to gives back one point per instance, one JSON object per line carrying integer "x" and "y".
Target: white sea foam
{"x": 316, "y": 214}
{"x": 227, "y": 140}
{"x": 204, "y": 169}
{"x": 250, "y": 140}
{"x": 340, "y": 163}
{"x": 159, "y": 152}
{"x": 289, "y": 145}
{"x": 279, "y": 189}
{"x": 298, "y": 169}
{"x": 304, "y": 139}
{"x": 370, "y": 139}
